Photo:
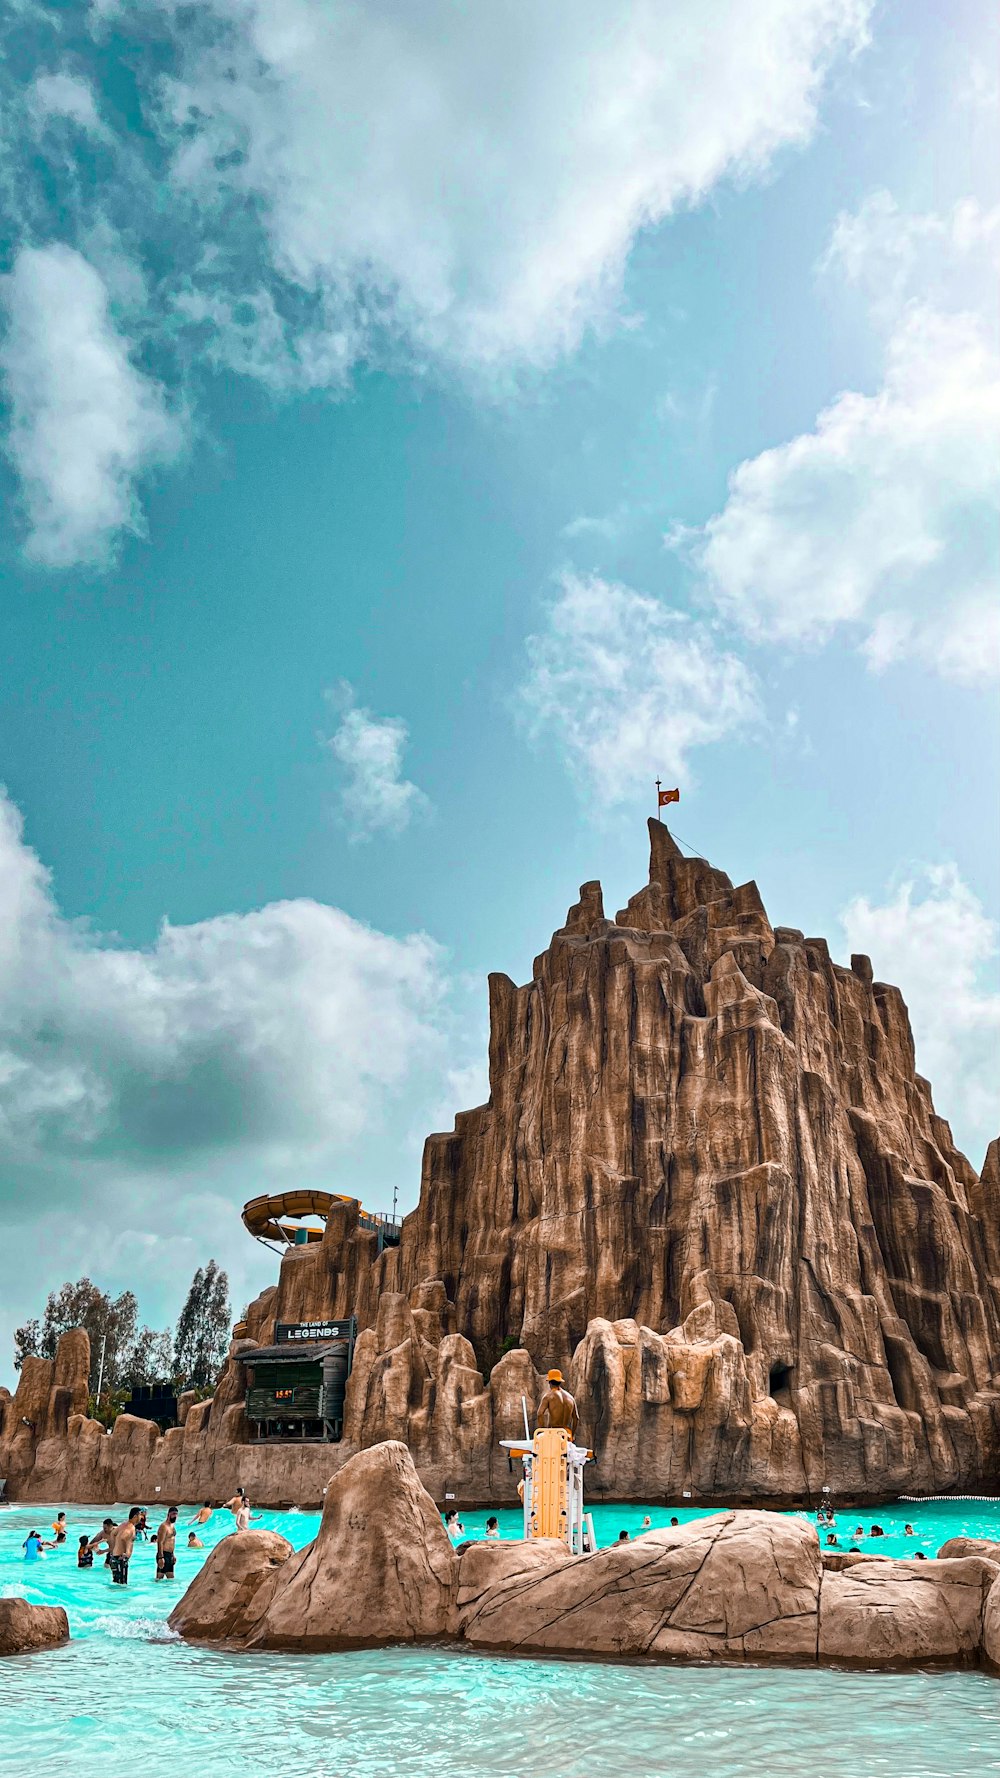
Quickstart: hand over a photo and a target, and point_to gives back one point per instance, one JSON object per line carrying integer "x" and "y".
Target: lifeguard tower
{"x": 553, "y": 1486}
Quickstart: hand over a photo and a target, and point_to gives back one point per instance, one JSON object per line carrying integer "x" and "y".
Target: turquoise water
{"x": 125, "y": 1698}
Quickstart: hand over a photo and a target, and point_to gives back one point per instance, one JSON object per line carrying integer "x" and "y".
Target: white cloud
{"x": 374, "y": 794}
{"x": 473, "y": 177}
{"x": 627, "y": 687}
{"x": 68, "y": 96}
{"x": 933, "y": 938}
{"x": 85, "y": 422}
{"x": 887, "y": 252}
{"x": 275, "y": 1031}
{"x": 881, "y": 519}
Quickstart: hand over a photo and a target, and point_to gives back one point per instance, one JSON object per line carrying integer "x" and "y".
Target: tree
{"x": 27, "y": 1342}
{"x": 151, "y": 1359}
{"x": 112, "y": 1324}
{"x": 203, "y": 1328}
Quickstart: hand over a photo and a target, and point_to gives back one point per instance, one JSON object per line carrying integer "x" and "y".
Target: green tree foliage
{"x": 130, "y": 1354}
{"x": 203, "y": 1328}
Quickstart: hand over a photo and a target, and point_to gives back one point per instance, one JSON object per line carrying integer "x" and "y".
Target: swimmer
{"x": 203, "y": 1514}
{"x": 623, "y": 1537}
{"x": 59, "y": 1527}
{"x": 32, "y": 1547}
{"x": 103, "y": 1540}
{"x": 918, "y": 1556}
{"x": 675, "y": 1522}
{"x": 832, "y": 1542}
{"x": 85, "y": 1555}
{"x": 122, "y": 1544}
{"x": 238, "y": 1500}
{"x": 194, "y": 1541}
{"x": 876, "y": 1531}
{"x": 166, "y": 1543}
{"x": 244, "y": 1515}
{"x": 453, "y": 1525}
{"x": 859, "y": 1531}
{"x": 908, "y": 1531}
{"x": 646, "y": 1523}
{"x": 493, "y": 1529}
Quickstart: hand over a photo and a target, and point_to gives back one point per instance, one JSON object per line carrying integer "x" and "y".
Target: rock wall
{"x": 708, "y": 1183}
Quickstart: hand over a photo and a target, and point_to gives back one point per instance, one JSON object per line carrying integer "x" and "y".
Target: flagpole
{"x": 659, "y": 815}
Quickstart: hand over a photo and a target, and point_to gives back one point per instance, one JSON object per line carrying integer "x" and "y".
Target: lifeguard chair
{"x": 553, "y": 1485}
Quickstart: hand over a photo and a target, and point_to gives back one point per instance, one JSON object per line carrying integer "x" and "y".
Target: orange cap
{"x": 555, "y": 1376}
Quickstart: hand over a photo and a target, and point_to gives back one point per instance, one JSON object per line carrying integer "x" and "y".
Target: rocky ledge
{"x": 735, "y": 1586}
{"x": 24, "y": 1627}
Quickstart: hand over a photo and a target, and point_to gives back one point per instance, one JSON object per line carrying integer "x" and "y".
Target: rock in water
{"x": 232, "y": 1589}
{"x": 882, "y": 1613}
{"x": 24, "y": 1627}
{"x": 381, "y": 1569}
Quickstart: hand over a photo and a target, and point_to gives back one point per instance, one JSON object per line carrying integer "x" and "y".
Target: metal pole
{"x": 100, "y": 1368}
{"x": 659, "y": 813}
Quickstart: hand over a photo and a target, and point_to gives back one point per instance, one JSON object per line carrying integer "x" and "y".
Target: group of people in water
{"x": 826, "y": 1520}
{"x": 118, "y": 1539}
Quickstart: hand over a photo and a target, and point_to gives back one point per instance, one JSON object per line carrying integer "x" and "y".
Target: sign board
{"x": 292, "y": 1332}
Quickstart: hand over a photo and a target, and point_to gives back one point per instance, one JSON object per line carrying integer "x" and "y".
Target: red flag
{"x": 669, "y": 796}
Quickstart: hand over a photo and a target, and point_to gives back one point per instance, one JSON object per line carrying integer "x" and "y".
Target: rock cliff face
{"x": 711, "y": 1186}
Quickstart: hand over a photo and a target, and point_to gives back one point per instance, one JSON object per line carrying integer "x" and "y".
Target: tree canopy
{"x": 203, "y": 1326}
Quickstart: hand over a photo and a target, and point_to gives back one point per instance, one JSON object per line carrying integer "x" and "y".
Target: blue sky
{"x": 423, "y": 427}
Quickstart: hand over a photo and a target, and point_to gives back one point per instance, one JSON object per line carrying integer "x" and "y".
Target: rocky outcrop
{"x": 735, "y": 1586}
{"x": 25, "y": 1628}
{"x": 381, "y": 1569}
{"x": 972, "y": 1546}
{"x": 991, "y": 1629}
{"x": 233, "y": 1588}
{"x": 890, "y": 1613}
{"x": 708, "y": 1183}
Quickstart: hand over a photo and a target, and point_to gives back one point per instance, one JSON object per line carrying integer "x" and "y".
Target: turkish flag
{"x": 669, "y": 796}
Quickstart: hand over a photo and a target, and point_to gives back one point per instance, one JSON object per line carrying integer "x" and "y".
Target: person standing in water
{"x": 122, "y": 1545}
{"x": 166, "y": 1545}
{"x": 59, "y": 1527}
{"x": 32, "y": 1546}
{"x": 103, "y": 1540}
{"x": 203, "y": 1514}
{"x": 85, "y": 1555}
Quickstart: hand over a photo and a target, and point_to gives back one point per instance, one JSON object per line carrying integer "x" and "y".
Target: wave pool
{"x": 125, "y": 1697}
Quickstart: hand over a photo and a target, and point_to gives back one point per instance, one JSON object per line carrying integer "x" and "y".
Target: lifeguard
{"x": 557, "y": 1406}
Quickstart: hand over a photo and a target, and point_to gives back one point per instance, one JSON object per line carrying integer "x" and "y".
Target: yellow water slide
{"x": 280, "y": 1218}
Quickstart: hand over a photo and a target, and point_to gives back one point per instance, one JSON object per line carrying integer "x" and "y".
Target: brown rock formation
{"x": 708, "y": 1183}
{"x": 991, "y": 1628}
{"x": 380, "y": 1570}
{"x": 885, "y": 1613}
{"x": 233, "y": 1589}
{"x": 735, "y": 1586}
{"x": 25, "y": 1628}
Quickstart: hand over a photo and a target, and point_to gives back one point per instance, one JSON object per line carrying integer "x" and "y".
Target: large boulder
{"x": 991, "y": 1627}
{"x": 24, "y": 1627}
{"x": 884, "y": 1613}
{"x": 381, "y": 1569}
{"x": 971, "y": 1546}
{"x": 232, "y": 1589}
{"x": 736, "y": 1586}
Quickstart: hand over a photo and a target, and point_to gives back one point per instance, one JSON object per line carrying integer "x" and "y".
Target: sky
{"x": 424, "y": 426}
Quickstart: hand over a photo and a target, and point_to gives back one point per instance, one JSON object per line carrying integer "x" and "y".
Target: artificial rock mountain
{"x": 709, "y": 1184}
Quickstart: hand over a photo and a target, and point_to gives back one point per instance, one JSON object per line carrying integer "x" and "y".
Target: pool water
{"x": 125, "y": 1699}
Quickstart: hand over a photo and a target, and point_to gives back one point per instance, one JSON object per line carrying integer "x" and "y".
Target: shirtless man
{"x": 122, "y": 1544}
{"x": 166, "y": 1543}
{"x": 203, "y": 1514}
{"x": 557, "y": 1407}
{"x": 103, "y": 1540}
{"x": 239, "y": 1499}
